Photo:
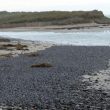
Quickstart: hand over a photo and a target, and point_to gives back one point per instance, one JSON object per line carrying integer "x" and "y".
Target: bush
{"x": 14, "y": 19}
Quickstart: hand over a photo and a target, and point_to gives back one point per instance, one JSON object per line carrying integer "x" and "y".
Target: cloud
{"x": 45, "y": 5}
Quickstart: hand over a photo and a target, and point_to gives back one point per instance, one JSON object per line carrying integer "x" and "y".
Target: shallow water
{"x": 68, "y": 38}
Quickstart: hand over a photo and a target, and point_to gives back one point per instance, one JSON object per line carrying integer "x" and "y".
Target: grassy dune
{"x": 16, "y": 19}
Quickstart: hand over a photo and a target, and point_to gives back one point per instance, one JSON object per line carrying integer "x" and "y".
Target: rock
{"x": 42, "y": 65}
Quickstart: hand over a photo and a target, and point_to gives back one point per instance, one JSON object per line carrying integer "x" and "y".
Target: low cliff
{"x": 19, "y": 19}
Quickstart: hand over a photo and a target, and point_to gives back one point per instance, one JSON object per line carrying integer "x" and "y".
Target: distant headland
{"x": 50, "y": 18}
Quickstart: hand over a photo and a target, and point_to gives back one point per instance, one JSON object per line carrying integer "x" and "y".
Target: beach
{"x": 13, "y": 47}
{"x": 54, "y": 55}
{"x": 62, "y": 28}
{"x": 54, "y": 78}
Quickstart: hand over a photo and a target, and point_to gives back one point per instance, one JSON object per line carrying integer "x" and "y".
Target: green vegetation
{"x": 14, "y": 19}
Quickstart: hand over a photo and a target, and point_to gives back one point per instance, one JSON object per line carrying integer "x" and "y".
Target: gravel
{"x": 59, "y": 87}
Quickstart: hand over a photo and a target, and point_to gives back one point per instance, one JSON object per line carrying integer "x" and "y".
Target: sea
{"x": 83, "y": 38}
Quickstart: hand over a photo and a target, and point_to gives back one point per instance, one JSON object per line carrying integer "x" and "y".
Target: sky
{"x": 52, "y": 5}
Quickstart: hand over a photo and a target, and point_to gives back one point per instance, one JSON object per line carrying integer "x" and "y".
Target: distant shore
{"x": 51, "y": 18}
{"x": 76, "y": 27}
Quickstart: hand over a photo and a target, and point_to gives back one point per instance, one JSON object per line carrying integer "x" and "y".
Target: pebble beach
{"x": 60, "y": 85}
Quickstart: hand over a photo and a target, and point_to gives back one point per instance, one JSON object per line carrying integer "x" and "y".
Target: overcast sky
{"x": 49, "y": 5}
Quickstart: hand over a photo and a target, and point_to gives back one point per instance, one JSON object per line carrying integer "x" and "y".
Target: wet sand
{"x": 63, "y": 28}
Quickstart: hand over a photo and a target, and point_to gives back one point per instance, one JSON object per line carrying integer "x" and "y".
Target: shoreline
{"x": 14, "y": 47}
{"x": 67, "y": 28}
{"x": 71, "y": 76}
